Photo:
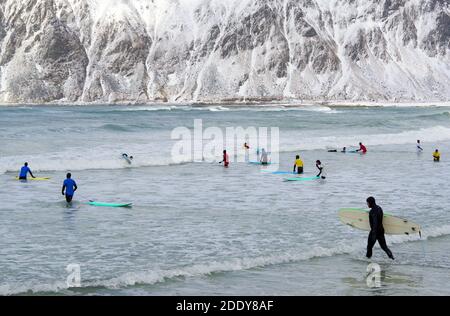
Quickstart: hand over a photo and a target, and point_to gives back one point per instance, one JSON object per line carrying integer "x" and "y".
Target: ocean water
{"x": 196, "y": 228}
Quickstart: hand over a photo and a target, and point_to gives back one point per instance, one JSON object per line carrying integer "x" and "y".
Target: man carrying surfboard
{"x": 24, "y": 172}
{"x": 69, "y": 187}
{"x": 376, "y": 229}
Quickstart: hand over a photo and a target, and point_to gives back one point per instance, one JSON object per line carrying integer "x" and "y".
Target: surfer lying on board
{"x": 246, "y": 146}
{"x": 376, "y": 229}
{"x": 320, "y": 167}
{"x": 298, "y": 164}
{"x": 226, "y": 160}
{"x": 264, "y": 158}
{"x": 24, "y": 172}
{"x": 362, "y": 148}
{"x": 69, "y": 186}
{"x": 436, "y": 156}
{"x": 344, "y": 150}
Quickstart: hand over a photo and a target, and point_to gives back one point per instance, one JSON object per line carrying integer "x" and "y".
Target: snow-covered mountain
{"x": 222, "y": 50}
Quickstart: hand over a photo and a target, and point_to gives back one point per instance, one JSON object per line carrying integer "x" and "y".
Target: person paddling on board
{"x": 24, "y": 172}
{"x": 344, "y": 150}
{"x": 362, "y": 148}
{"x": 436, "y": 156}
{"x": 226, "y": 160}
{"x": 419, "y": 147}
{"x": 69, "y": 187}
{"x": 264, "y": 158}
{"x": 246, "y": 146}
{"x": 376, "y": 229}
{"x": 321, "y": 168}
{"x": 298, "y": 164}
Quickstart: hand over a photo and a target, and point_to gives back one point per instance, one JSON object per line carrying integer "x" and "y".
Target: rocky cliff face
{"x": 216, "y": 50}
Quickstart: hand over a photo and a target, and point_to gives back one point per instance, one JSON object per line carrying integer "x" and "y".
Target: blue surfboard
{"x": 259, "y": 163}
{"x": 279, "y": 172}
{"x": 302, "y": 179}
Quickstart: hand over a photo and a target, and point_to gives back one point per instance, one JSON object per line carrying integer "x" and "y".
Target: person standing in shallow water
{"x": 436, "y": 156}
{"x": 376, "y": 229}
{"x": 24, "y": 171}
{"x": 321, "y": 169}
{"x": 298, "y": 165}
{"x": 419, "y": 147}
{"x": 264, "y": 157}
{"x": 225, "y": 160}
{"x": 69, "y": 188}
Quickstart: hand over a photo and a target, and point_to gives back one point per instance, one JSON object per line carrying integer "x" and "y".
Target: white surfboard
{"x": 393, "y": 225}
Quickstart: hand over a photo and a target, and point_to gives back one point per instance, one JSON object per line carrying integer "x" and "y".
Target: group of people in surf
{"x": 376, "y": 212}
{"x": 362, "y": 149}
{"x": 436, "y": 153}
{"x": 69, "y": 185}
{"x": 264, "y": 160}
{"x": 68, "y": 188}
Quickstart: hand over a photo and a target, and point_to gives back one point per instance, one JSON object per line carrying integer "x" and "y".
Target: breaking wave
{"x": 201, "y": 269}
{"x": 145, "y": 156}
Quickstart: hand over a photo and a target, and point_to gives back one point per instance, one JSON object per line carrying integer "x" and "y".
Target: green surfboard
{"x": 95, "y": 203}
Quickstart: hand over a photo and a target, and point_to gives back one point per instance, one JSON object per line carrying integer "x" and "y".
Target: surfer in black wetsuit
{"x": 127, "y": 158}
{"x": 320, "y": 167}
{"x": 376, "y": 229}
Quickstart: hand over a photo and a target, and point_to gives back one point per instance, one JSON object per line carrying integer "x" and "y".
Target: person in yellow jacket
{"x": 437, "y": 156}
{"x": 298, "y": 165}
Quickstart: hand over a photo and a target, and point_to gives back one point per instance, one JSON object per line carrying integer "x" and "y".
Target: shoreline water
{"x": 237, "y": 104}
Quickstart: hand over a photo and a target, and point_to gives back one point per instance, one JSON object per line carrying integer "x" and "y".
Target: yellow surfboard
{"x": 36, "y": 179}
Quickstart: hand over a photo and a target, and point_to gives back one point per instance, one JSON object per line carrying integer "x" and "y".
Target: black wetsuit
{"x": 320, "y": 169}
{"x": 377, "y": 232}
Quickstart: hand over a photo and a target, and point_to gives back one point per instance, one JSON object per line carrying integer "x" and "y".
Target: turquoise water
{"x": 196, "y": 228}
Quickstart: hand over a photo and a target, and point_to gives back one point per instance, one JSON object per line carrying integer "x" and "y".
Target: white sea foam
{"x": 109, "y": 158}
{"x": 221, "y": 108}
{"x": 236, "y": 264}
{"x": 431, "y": 135}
